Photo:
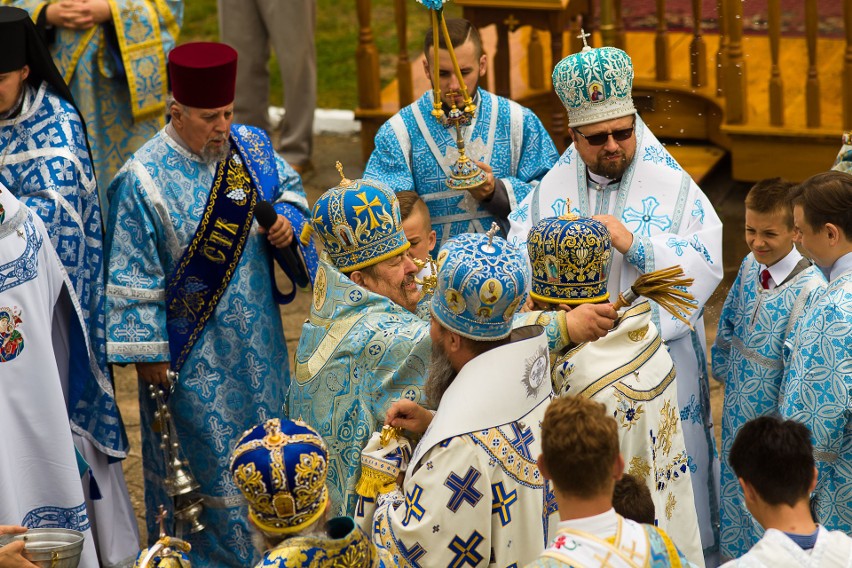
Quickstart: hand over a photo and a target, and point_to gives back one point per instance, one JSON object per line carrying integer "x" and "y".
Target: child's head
{"x": 579, "y": 447}
{"x": 822, "y": 212}
{"x": 769, "y": 220}
{"x": 632, "y": 500}
{"x": 774, "y": 462}
{"x": 417, "y": 224}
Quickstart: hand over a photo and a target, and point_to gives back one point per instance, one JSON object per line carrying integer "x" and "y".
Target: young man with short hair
{"x": 774, "y": 463}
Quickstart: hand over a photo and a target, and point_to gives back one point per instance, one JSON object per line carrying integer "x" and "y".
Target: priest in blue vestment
{"x": 817, "y": 390}
{"x": 46, "y": 163}
{"x": 191, "y": 292}
{"x": 415, "y": 152}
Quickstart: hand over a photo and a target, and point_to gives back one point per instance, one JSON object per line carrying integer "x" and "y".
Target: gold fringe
{"x": 374, "y": 483}
{"x": 661, "y": 287}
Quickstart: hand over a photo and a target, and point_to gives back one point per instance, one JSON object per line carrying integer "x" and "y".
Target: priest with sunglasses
{"x": 617, "y": 172}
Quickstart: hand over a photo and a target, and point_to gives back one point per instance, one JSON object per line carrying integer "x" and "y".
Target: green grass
{"x": 336, "y": 40}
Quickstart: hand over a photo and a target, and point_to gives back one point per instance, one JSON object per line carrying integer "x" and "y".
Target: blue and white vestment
{"x": 414, "y": 152}
{"x": 749, "y": 358}
{"x": 237, "y": 373}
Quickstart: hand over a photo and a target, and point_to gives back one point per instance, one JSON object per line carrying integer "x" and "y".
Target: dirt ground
{"x": 727, "y": 197}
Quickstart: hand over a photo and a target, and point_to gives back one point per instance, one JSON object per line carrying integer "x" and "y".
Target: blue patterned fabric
{"x": 280, "y": 466}
{"x": 748, "y": 357}
{"x": 481, "y": 282}
{"x": 238, "y": 373}
{"x": 818, "y": 393}
{"x": 595, "y": 85}
{"x": 117, "y": 75}
{"x": 570, "y": 258}
{"x": 359, "y": 223}
{"x": 358, "y": 353}
{"x": 47, "y": 167}
{"x": 414, "y": 152}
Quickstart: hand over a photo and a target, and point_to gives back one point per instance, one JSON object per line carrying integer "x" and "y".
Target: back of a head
{"x": 632, "y": 500}
{"x": 827, "y": 198}
{"x": 579, "y": 446}
{"x": 776, "y": 458}
{"x": 770, "y": 196}
{"x": 460, "y": 31}
{"x": 409, "y": 202}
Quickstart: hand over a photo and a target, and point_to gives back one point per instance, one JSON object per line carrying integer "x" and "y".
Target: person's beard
{"x": 611, "y": 169}
{"x": 441, "y": 375}
{"x": 213, "y": 154}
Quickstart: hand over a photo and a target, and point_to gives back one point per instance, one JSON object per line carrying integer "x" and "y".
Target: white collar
{"x": 603, "y": 525}
{"x": 784, "y": 267}
{"x": 602, "y": 181}
{"x": 841, "y": 266}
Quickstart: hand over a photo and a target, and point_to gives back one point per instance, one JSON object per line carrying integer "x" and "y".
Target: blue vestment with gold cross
{"x": 414, "y": 152}
{"x": 235, "y": 372}
{"x": 117, "y": 74}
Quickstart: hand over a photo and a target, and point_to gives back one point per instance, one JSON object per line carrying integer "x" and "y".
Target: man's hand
{"x": 153, "y": 373}
{"x": 486, "y": 189}
{"x": 11, "y": 555}
{"x": 588, "y": 322}
{"x": 408, "y": 415}
{"x": 280, "y": 233}
{"x": 78, "y": 14}
{"x": 94, "y": 11}
{"x": 622, "y": 239}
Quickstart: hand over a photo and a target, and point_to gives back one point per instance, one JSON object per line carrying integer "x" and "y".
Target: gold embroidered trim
{"x": 613, "y": 376}
{"x": 645, "y": 396}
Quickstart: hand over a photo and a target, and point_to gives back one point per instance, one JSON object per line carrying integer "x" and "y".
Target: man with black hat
{"x": 46, "y": 163}
{"x": 190, "y": 287}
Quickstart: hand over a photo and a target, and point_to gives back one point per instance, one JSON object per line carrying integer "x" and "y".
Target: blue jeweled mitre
{"x": 482, "y": 280}
{"x": 280, "y": 467}
{"x": 571, "y": 258}
{"x": 595, "y": 85}
{"x": 359, "y": 223}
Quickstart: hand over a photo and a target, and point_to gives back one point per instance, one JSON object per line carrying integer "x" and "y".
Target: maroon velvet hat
{"x": 203, "y": 74}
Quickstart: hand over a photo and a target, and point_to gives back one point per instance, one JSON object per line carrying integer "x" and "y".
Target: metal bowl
{"x": 50, "y": 548}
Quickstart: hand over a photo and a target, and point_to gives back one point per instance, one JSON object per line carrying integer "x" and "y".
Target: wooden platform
{"x": 677, "y": 111}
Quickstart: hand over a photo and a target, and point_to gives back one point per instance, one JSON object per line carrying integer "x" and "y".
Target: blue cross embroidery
{"x": 646, "y": 218}
{"x": 463, "y": 489}
{"x": 521, "y": 213}
{"x": 699, "y": 247}
{"x": 523, "y": 438}
{"x": 677, "y": 244}
{"x": 465, "y": 551}
{"x": 413, "y": 554}
{"x": 501, "y": 502}
{"x": 413, "y": 508}
{"x": 699, "y": 211}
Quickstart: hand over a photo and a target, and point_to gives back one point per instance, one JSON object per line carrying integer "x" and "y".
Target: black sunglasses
{"x": 601, "y": 138}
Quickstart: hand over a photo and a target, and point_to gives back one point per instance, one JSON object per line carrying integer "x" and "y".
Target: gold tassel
{"x": 374, "y": 483}
{"x": 660, "y": 286}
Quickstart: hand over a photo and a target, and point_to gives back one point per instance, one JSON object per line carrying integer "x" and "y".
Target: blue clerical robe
{"x": 748, "y": 356}
{"x": 117, "y": 74}
{"x": 414, "y": 152}
{"x": 237, "y": 374}
{"x": 818, "y": 393}
{"x": 47, "y": 166}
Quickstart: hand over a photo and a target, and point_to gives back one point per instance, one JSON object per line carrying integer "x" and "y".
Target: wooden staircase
{"x": 778, "y": 105}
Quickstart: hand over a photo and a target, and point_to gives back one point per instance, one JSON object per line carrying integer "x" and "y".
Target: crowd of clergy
{"x": 505, "y": 362}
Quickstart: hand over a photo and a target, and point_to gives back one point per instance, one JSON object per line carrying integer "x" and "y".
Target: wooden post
{"x": 607, "y": 22}
{"x": 812, "y": 85}
{"x": 403, "y": 65}
{"x": 661, "y": 44}
{"x": 722, "y": 53}
{"x": 697, "y": 49}
{"x": 736, "y": 94}
{"x": 502, "y": 65}
{"x": 535, "y": 60}
{"x": 367, "y": 61}
{"x": 776, "y": 83}
{"x": 620, "y": 38}
{"x": 847, "y": 67}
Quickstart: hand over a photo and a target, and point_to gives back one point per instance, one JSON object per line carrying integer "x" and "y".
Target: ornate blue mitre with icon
{"x": 482, "y": 280}
{"x": 280, "y": 467}
{"x": 571, "y": 258}
{"x": 359, "y": 223}
{"x": 595, "y": 85}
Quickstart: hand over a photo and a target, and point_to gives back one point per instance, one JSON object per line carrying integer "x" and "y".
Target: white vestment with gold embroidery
{"x": 473, "y": 494}
{"x": 632, "y": 374}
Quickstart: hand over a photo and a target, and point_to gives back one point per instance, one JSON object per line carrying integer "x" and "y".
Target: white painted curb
{"x": 335, "y": 121}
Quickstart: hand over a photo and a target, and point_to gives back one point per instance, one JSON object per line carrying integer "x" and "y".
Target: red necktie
{"x": 764, "y": 278}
